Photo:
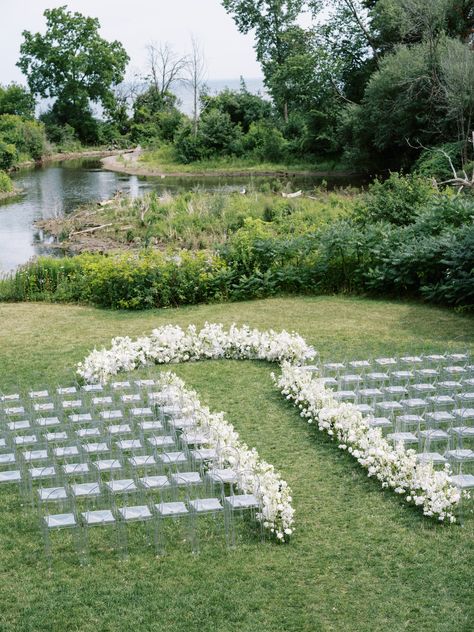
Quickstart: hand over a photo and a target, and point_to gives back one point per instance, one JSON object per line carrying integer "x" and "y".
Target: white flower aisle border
{"x": 254, "y": 475}
{"x": 393, "y": 466}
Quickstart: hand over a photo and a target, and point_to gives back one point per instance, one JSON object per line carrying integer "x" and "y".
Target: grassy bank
{"x": 360, "y": 559}
{"x": 189, "y": 220}
{"x": 162, "y": 161}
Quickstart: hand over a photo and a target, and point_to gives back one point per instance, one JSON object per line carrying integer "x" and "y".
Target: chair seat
{"x": 99, "y": 516}
{"x": 86, "y": 489}
{"x": 88, "y": 432}
{"x": 403, "y": 437}
{"x": 10, "y": 476}
{"x": 119, "y": 429}
{"x": 7, "y": 459}
{"x": 47, "y": 421}
{"x": 130, "y": 397}
{"x": 462, "y": 431}
{"x": 430, "y": 457}
{"x": 122, "y": 485}
{"x": 225, "y": 475}
{"x": 56, "y": 521}
{"x": 170, "y": 458}
{"x": 171, "y": 509}
{"x": 142, "y": 460}
{"x": 147, "y": 426}
{"x": 154, "y": 482}
{"x": 107, "y": 465}
{"x": 463, "y": 481}
{"x": 37, "y": 473}
{"x": 194, "y": 438}
{"x": 70, "y": 450}
{"x": 434, "y": 435}
{"x": 141, "y": 412}
{"x": 181, "y": 423}
{"x": 117, "y": 386}
{"x": 129, "y": 444}
{"x": 80, "y": 417}
{"x": 35, "y": 455}
{"x": 92, "y": 388}
{"x": 365, "y": 409}
{"x": 95, "y": 448}
{"x": 26, "y": 440}
{"x": 137, "y": 512}
{"x": 18, "y": 425}
{"x": 75, "y": 468}
{"x": 72, "y": 403}
{"x": 205, "y": 454}
{"x": 56, "y": 436}
{"x": 379, "y": 422}
{"x": 52, "y": 493}
{"x": 242, "y": 501}
{"x": 111, "y": 414}
{"x": 186, "y": 478}
{"x": 163, "y": 441}
{"x": 460, "y": 455}
{"x": 203, "y": 505}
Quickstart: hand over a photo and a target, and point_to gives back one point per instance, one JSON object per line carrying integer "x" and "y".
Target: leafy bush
{"x": 8, "y": 155}
{"x": 6, "y": 185}
{"x": 265, "y": 142}
{"x": 27, "y": 136}
{"x": 397, "y": 199}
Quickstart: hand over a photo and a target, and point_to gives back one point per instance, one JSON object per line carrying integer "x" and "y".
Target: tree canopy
{"x": 72, "y": 63}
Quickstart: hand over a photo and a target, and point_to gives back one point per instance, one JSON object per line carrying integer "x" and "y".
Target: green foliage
{"x": 155, "y": 117}
{"x": 397, "y": 199}
{"x": 8, "y": 155}
{"x": 74, "y": 65}
{"x": 6, "y": 185}
{"x": 15, "y": 99}
{"x": 242, "y": 107}
{"x": 27, "y": 136}
{"x": 265, "y": 142}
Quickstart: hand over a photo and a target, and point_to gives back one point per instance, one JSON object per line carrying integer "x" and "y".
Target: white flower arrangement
{"x": 170, "y": 344}
{"x": 254, "y": 475}
{"x": 393, "y": 466}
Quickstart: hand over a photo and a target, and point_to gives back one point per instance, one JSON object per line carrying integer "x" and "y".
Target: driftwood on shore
{"x": 90, "y": 230}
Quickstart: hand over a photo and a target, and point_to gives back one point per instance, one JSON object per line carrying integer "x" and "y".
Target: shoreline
{"x": 7, "y": 195}
{"x": 71, "y": 155}
{"x": 132, "y": 167}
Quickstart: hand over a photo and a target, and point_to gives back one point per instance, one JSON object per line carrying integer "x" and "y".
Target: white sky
{"x": 135, "y": 23}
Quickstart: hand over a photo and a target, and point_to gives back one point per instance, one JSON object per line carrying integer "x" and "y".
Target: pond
{"x": 60, "y": 188}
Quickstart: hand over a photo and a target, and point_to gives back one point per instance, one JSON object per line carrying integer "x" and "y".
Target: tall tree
{"x": 166, "y": 68}
{"x": 72, "y": 63}
{"x": 270, "y": 19}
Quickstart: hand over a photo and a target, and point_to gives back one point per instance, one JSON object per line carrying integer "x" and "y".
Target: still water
{"x": 60, "y": 188}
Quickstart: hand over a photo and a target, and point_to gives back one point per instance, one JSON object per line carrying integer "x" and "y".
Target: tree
{"x": 74, "y": 65}
{"x": 196, "y": 73}
{"x": 270, "y": 19}
{"x": 165, "y": 67}
{"x": 15, "y": 99}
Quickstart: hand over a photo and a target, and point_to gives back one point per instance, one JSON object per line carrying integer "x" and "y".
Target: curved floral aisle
{"x": 393, "y": 466}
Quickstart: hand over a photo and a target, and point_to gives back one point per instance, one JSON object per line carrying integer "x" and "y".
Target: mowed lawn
{"x": 360, "y": 560}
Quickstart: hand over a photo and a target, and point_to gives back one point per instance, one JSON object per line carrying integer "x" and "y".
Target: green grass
{"x": 360, "y": 560}
{"x": 193, "y": 220}
{"x": 163, "y": 160}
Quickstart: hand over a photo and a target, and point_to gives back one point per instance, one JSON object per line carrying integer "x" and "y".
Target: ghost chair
{"x": 56, "y": 523}
{"x": 465, "y": 484}
{"x": 212, "y": 509}
{"x": 97, "y": 520}
{"x": 150, "y": 427}
{"x": 244, "y": 503}
{"x": 172, "y": 522}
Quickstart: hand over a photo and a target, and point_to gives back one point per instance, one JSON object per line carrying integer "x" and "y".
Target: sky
{"x": 136, "y": 23}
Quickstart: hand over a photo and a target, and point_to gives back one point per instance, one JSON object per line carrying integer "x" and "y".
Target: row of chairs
{"x": 127, "y": 465}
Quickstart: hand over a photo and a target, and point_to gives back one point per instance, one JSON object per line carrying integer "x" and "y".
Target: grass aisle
{"x": 360, "y": 560}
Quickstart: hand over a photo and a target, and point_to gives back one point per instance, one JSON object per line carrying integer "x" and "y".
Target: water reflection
{"x": 60, "y": 188}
